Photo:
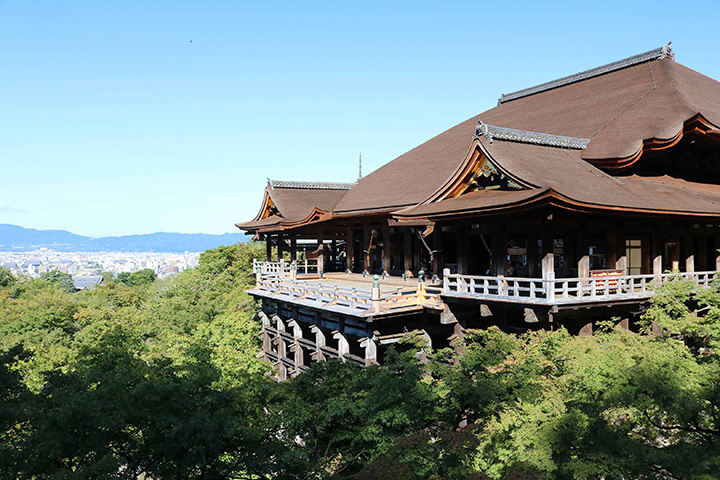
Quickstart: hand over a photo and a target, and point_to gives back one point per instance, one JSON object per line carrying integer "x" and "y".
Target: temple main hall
{"x": 567, "y": 203}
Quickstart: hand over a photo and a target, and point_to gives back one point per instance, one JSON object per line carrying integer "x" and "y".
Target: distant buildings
{"x": 88, "y": 265}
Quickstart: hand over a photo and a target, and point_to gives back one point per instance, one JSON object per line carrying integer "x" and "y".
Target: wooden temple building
{"x": 566, "y": 203}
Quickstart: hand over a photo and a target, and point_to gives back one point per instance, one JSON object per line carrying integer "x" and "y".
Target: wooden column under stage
{"x": 621, "y": 245}
{"x": 657, "y": 254}
{"x": 280, "y": 245}
{"x": 583, "y": 252}
{"x": 499, "y": 249}
{"x": 462, "y": 252}
{"x": 689, "y": 249}
{"x": 367, "y": 233}
{"x": 386, "y": 248}
{"x": 321, "y": 253}
{"x": 614, "y": 249}
{"x": 532, "y": 254}
{"x": 349, "y": 249}
{"x": 437, "y": 246}
{"x": 333, "y": 254}
{"x": 407, "y": 249}
{"x": 675, "y": 255}
{"x": 701, "y": 257}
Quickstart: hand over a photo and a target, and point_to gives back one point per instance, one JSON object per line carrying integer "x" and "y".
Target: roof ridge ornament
{"x": 491, "y": 132}
{"x": 309, "y": 185}
{"x": 656, "y": 54}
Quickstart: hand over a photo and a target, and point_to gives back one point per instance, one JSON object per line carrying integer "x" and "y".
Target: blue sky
{"x": 136, "y": 116}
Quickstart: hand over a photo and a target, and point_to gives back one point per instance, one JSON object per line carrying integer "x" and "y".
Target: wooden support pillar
{"x": 386, "y": 248}
{"x": 583, "y": 251}
{"x": 689, "y": 249}
{"x": 499, "y": 249}
{"x": 293, "y": 248}
{"x": 343, "y": 345}
{"x": 280, "y": 247}
{"x": 321, "y": 253}
{"x": 265, "y": 335}
{"x": 367, "y": 232}
{"x": 438, "y": 251}
{"x": 613, "y": 246}
{"x": 702, "y": 262}
{"x": 318, "y": 355}
{"x": 281, "y": 348}
{"x": 548, "y": 265}
{"x": 296, "y": 347}
{"x": 333, "y": 253}
{"x": 417, "y": 247}
{"x": 407, "y": 249}
{"x": 370, "y": 351}
{"x": 621, "y": 247}
{"x": 657, "y": 254}
{"x": 349, "y": 249}
{"x": 268, "y": 248}
{"x": 621, "y": 264}
{"x": 462, "y": 251}
{"x": 584, "y": 266}
{"x": 675, "y": 255}
{"x": 532, "y": 255}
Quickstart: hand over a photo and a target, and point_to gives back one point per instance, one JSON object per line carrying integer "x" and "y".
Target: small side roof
{"x": 287, "y": 203}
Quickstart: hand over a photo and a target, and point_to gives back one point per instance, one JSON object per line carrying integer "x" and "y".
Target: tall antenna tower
{"x": 360, "y": 167}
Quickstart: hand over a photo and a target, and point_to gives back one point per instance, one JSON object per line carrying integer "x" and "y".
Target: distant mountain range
{"x": 18, "y": 239}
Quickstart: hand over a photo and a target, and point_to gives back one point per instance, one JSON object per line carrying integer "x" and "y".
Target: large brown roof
{"x": 616, "y": 111}
{"x": 620, "y": 112}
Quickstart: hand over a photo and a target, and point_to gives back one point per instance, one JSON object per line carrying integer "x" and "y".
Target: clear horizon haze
{"x": 136, "y": 117}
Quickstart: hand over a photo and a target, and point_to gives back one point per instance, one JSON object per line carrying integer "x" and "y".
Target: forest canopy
{"x": 146, "y": 378}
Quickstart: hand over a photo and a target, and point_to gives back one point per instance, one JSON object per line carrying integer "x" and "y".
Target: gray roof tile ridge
{"x": 656, "y": 54}
{"x": 492, "y": 132}
{"x": 309, "y": 185}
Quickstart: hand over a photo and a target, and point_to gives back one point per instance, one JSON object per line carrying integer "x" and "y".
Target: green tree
{"x": 63, "y": 281}
{"x": 134, "y": 279}
{"x": 7, "y": 279}
{"x": 108, "y": 277}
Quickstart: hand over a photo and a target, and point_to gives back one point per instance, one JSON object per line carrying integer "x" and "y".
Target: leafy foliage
{"x": 64, "y": 281}
{"x": 134, "y": 279}
{"x": 151, "y": 379}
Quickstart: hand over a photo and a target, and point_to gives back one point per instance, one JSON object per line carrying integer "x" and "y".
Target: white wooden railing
{"x": 285, "y": 269}
{"x": 554, "y": 291}
{"x": 271, "y": 269}
{"x": 363, "y": 300}
{"x": 280, "y": 278}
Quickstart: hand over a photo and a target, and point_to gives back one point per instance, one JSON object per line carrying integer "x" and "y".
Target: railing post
{"x": 293, "y": 270}
{"x": 550, "y": 281}
{"x": 258, "y": 271}
{"x": 376, "y": 294}
{"x": 446, "y": 280}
